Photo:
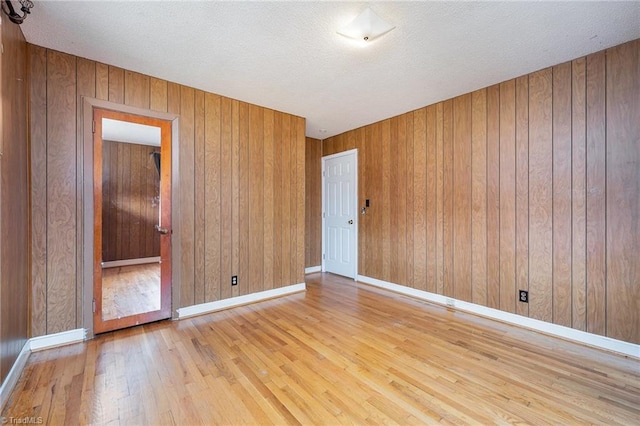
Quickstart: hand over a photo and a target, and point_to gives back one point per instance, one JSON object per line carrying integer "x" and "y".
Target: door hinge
{"x": 94, "y": 306}
{"x": 324, "y": 215}
{"x": 324, "y": 256}
{"x": 93, "y": 126}
{"x": 324, "y": 173}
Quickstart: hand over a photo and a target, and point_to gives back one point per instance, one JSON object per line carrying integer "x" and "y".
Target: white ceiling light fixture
{"x": 367, "y": 26}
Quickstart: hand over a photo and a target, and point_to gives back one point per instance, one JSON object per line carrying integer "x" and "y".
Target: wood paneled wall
{"x": 531, "y": 184}
{"x": 130, "y": 202}
{"x": 241, "y": 192}
{"x": 14, "y": 196}
{"x": 313, "y": 203}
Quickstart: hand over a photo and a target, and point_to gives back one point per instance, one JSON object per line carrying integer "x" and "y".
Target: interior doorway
{"x": 132, "y": 185}
{"x": 340, "y": 213}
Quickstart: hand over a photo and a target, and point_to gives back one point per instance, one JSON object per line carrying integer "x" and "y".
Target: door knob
{"x": 350, "y": 222}
{"x": 161, "y": 230}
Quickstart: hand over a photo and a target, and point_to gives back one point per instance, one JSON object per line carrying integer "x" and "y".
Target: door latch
{"x": 161, "y": 230}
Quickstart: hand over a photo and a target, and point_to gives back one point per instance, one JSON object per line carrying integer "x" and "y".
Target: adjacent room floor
{"x": 340, "y": 352}
{"x": 130, "y": 290}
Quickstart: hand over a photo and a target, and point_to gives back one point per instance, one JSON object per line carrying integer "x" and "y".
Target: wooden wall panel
{"x": 236, "y": 168}
{"x": 227, "y": 222}
{"x": 359, "y": 143}
{"x": 562, "y": 194}
{"x": 623, "y": 192}
{"x": 123, "y": 214}
{"x": 102, "y": 81}
{"x": 137, "y": 228}
{"x": 385, "y": 138}
{"x": 507, "y": 195}
{"x": 158, "y": 95}
{"x": 299, "y": 142}
{"x": 109, "y": 187}
{"x": 226, "y": 211}
{"x": 212, "y": 223}
{"x": 439, "y": 198}
{"x": 109, "y": 178}
{"x": 374, "y": 192}
{"x": 431, "y": 199}
{"x": 256, "y": 199}
{"x": 313, "y": 201}
{"x": 366, "y": 221}
{"x": 269, "y": 159}
{"x": 447, "y": 168}
{"x": 200, "y": 185}
{"x": 522, "y": 191}
{"x": 137, "y": 89}
{"x": 541, "y": 195}
{"x": 186, "y": 198}
{"x": 596, "y": 194}
{"x": 61, "y": 192}
{"x": 139, "y": 167}
{"x": 134, "y": 207}
{"x": 86, "y": 87}
{"x": 116, "y": 85}
{"x": 396, "y": 203}
{"x": 278, "y": 214}
{"x": 479, "y": 197}
{"x": 399, "y": 202}
{"x": 38, "y": 175}
{"x": 287, "y": 212}
{"x": 14, "y": 196}
{"x": 493, "y": 197}
{"x": 578, "y": 195}
{"x": 529, "y": 184}
{"x": 462, "y": 197}
{"x": 420, "y": 198}
{"x": 293, "y": 182}
{"x": 241, "y": 134}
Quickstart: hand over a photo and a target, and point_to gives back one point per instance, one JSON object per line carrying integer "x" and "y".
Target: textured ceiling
{"x": 288, "y": 56}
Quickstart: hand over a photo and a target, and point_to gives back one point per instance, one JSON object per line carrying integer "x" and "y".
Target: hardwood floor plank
{"x": 340, "y": 353}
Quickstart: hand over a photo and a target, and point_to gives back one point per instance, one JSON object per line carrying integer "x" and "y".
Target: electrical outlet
{"x": 234, "y": 280}
{"x": 524, "y": 296}
{"x": 450, "y": 302}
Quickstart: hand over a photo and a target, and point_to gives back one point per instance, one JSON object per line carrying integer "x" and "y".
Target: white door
{"x": 340, "y": 213}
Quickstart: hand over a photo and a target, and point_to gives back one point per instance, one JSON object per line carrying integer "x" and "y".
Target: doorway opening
{"x": 132, "y": 185}
{"x": 340, "y": 213}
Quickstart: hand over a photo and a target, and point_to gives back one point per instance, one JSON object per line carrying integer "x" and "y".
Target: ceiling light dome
{"x": 367, "y": 26}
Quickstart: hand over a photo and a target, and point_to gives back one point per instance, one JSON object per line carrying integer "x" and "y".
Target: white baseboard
{"x": 58, "y": 339}
{"x": 14, "y": 375}
{"x": 130, "y": 262}
{"x": 32, "y": 345}
{"x": 312, "y": 269}
{"x": 218, "y": 305}
{"x": 607, "y": 343}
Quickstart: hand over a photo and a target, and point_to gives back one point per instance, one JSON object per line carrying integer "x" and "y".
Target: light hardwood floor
{"x": 130, "y": 290}
{"x": 340, "y": 353}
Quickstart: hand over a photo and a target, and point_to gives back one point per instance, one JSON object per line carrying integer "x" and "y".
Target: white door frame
{"x": 353, "y": 152}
